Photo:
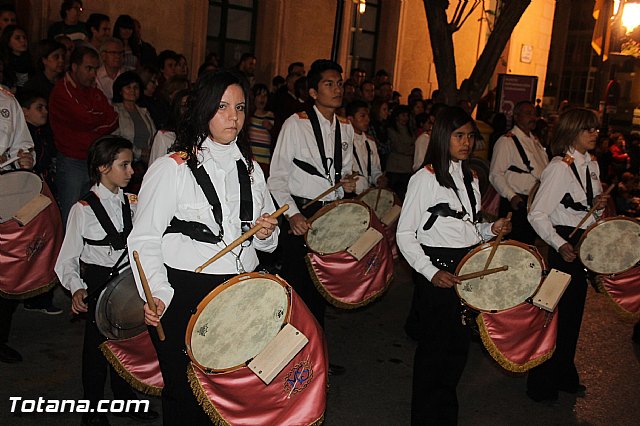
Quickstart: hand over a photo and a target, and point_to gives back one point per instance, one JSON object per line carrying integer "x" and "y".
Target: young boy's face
{"x": 360, "y": 120}
{"x": 37, "y": 113}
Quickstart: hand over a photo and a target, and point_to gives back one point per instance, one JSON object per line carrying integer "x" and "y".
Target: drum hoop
{"x": 215, "y": 292}
{"x": 532, "y": 249}
{"x": 328, "y": 208}
{"x": 103, "y": 298}
{"x": 396, "y": 199}
{"x": 593, "y": 226}
{"x": 26, "y": 171}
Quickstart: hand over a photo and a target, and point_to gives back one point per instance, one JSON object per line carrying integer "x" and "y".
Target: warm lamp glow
{"x": 631, "y": 16}
{"x": 362, "y": 6}
{"x": 616, "y": 6}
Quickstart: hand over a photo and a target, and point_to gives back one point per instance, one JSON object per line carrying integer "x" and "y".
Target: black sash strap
{"x": 309, "y": 168}
{"x": 589, "y": 190}
{"x": 115, "y": 239}
{"x": 568, "y": 202}
{"x": 523, "y": 156}
{"x": 441, "y": 210}
{"x": 468, "y": 179}
{"x": 337, "y": 150}
{"x": 355, "y": 154}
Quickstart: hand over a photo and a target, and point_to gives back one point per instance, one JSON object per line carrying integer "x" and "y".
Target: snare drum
{"x": 235, "y": 324}
{"x": 120, "y": 318}
{"x": 386, "y": 205}
{"x": 611, "y": 245}
{"x": 30, "y": 235}
{"x": 348, "y": 259}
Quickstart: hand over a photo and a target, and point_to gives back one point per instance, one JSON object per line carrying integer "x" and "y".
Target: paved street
{"x": 378, "y": 356}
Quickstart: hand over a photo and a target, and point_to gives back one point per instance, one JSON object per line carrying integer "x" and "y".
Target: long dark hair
{"x": 126, "y": 21}
{"x": 103, "y": 152}
{"x": 204, "y": 101}
{"x": 438, "y": 155}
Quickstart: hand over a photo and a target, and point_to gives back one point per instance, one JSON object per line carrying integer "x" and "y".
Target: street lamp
{"x": 361, "y": 9}
{"x": 362, "y": 6}
{"x": 630, "y": 15}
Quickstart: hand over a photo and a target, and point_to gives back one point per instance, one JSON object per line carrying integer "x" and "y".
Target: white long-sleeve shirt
{"x": 505, "y": 155}
{"x": 361, "y": 162}
{"x": 422, "y": 144}
{"x": 83, "y": 223}
{"x": 296, "y": 140}
{"x": 424, "y": 192}
{"x": 169, "y": 190}
{"x": 162, "y": 141}
{"x": 557, "y": 180}
{"x": 14, "y": 133}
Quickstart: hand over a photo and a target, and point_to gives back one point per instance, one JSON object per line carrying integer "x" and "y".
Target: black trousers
{"x": 522, "y": 230}
{"x": 95, "y": 366}
{"x": 179, "y": 405}
{"x": 560, "y": 372}
{"x": 443, "y": 346}
{"x": 7, "y": 308}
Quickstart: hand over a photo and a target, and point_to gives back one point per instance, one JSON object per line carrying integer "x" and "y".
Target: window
{"x": 231, "y": 29}
{"x": 364, "y": 42}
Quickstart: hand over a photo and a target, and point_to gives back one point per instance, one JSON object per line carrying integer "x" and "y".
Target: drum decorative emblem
{"x": 202, "y": 331}
{"x": 298, "y": 378}
{"x": 34, "y": 246}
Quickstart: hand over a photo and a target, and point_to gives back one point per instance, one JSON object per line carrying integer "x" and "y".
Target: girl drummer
{"x": 569, "y": 187}
{"x": 88, "y": 254}
{"x": 438, "y": 226}
{"x": 180, "y": 223}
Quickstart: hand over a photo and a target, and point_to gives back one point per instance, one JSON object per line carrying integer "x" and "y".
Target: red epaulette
{"x": 343, "y": 120}
{"x": 508, "y": 134}
{"x": 7, "y": 92}
{"x": 567, "y": 159}
{"x": 83, "y": 202}
{"x": 474, "y": 174}
{"x": 133, "y": 198}
{"x": 594, "y": 158}
{"x": 303, "y": 115}
{"x": 429, "y": 168}
{"x": 179, "y": 157}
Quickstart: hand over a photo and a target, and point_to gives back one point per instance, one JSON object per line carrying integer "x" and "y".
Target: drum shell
{"x": 389, "y": 230}
{"x": 238, "y": 396}
{"x": 28, "y": 253}
{"x": 616, "y": 244}
{"x": 120, "y": 310}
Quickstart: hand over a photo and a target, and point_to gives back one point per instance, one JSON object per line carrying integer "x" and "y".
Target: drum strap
{"x": 441, "y": 210}
{"x": 523, "y": 156}
{"x": 115, "y": 239}
{"x": 589, "y": 190}
{"x": 568, "y": 202}
{"x": 337, "y": 149}
{"x": 355, "y": 154}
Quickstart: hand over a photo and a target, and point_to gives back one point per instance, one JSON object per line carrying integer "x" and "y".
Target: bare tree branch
{"x": 442, "y": 47}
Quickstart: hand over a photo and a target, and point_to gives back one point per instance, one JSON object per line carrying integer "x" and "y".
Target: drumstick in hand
{"x": 147, "y": 293}
{"x": 589, "y": 213}
{"x": 496, "y": 244}
{"x": 375, "y": 207}
{"x": 479, "y": 274}
{"x": 240, "y": 239}
{"x": 329, "y": 191}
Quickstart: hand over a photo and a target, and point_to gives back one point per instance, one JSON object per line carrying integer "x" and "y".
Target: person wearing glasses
{"x": 112, "y": 56}
{"x": 516, "y": 165}
{"x": 569, "y": 187}
{"x": 70, "y": 12}
{"x": 439, "y": 224}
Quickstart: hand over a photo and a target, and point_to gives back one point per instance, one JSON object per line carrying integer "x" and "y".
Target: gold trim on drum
{"x": 214, "y": 293}
{"x": 310, "y": 234}
{"x": 622, "y": 312}
{"x": 31, "y": 293}
{"x": 480, "y": 257}
{"x": 608, "y": 246}
{"x": 126, "y": 375}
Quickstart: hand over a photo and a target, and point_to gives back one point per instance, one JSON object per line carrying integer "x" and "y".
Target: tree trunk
{"x": 442, "y": 47}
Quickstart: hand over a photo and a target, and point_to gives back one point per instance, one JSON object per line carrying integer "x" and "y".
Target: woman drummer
{"x": 438, "y": 226}
{"x": 192, "y": 203}
{"x": 569, "y": 187}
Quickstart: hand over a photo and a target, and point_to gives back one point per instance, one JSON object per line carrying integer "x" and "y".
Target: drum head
{"x": 385, "y": 201}
{"x": 120, "y": 310}
{"x": 236, "y": 321}
{"x": 502, "y": 290}
{"x": 337, "y": 226}
{"x": 611, "y": 246}
{"x": 17, "y": 189}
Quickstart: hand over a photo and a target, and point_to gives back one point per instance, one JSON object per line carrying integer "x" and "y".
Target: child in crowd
{"x": 14, "y": 49}
{"x": 366, "y": 160}
{"x": 88, "y": 255}
{"x": 260, "y": 126}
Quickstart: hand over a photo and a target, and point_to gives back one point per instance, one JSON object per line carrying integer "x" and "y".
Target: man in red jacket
{"x": 79, "y": 114}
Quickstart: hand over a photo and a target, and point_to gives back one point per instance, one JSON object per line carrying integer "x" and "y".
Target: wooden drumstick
{"x": 240, "y": 239}
{"x": 329, "y": 191}
{"x": 375, "y": 207}
{"x": 589, "y": 213}
{"x": 147, "y": 294}
{"x": 479, "y": 274}
{"x": 496, "y": 244}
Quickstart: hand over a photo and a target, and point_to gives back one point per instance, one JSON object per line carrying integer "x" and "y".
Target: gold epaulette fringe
{"x": 336, "y": 302}
{"x": 501, "y": 359}
{"x": 31, "y": 293}
{"x": 135, "y": 383}
{"x": 622, "y": 312}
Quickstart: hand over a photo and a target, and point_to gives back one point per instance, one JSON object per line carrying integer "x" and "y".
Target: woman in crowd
{"x": 124, "y": 29}
{"x": 260, "y": 126}
{"x": 166, "y": 136}
{"x": 379, "y": 114}
{"x": 400, "y": 161}
{"x": 14, "y": 51}
{"x": 434, "y": 244}
{"x": 212, "y": 159}
{"x": 50, "y": 62}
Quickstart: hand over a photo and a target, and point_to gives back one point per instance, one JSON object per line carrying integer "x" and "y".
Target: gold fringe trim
{"x": 622, "y": 312}
{"x": 339, "y": 303}
{"x": 210, "y": 409}
{"x": 31, "y": 293}
{"x": 135, "y": 383}
{"x": 501, "y": 359}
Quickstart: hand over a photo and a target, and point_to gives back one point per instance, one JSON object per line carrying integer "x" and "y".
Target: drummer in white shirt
{"x": 569, "y": 187}
{"x": 366, "y": 161}
{"x": 438, "y": 226}
{"x": 191, "y": 205}
{"x": 517, "y": 163}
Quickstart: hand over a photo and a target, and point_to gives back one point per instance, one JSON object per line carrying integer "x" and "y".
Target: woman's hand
{"x": 444, "y": 279}
{"x": 501, "y": 224}
{"x": 269, "y": 225}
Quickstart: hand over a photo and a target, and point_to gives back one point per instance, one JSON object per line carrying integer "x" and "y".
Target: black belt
{"x": 300, "y": 201}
